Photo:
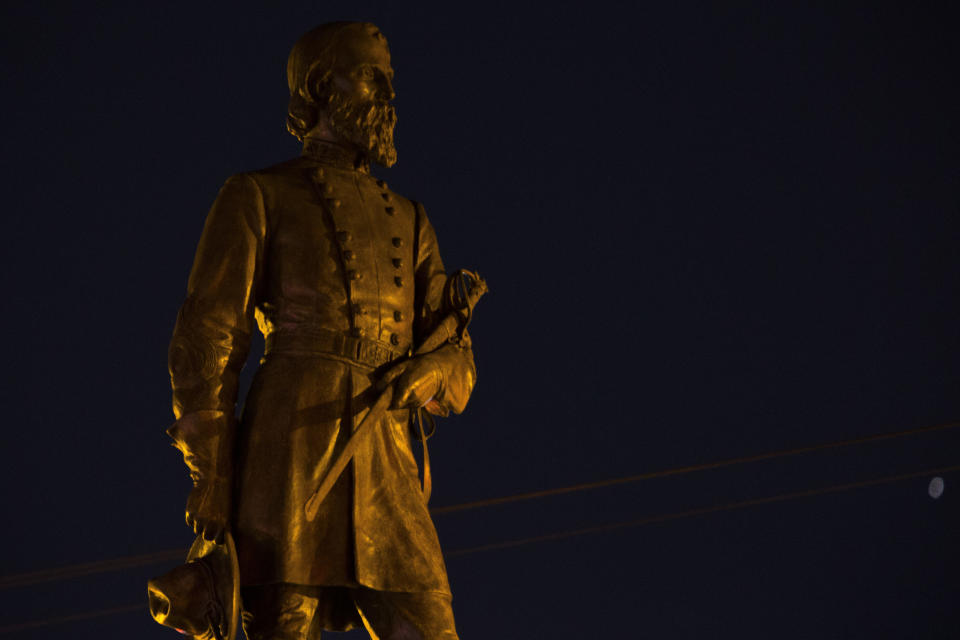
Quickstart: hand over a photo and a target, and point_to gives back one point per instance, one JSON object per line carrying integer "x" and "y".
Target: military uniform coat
{"x": 343, "y": 278}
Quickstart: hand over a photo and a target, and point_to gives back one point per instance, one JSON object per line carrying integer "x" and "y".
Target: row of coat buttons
{"x": 348, "y": 255}
{"x": 386, "y": 198}
{"x": 397, "y": 242}
{"x": 325, "y": 189}
{"x": 397, "y": 261}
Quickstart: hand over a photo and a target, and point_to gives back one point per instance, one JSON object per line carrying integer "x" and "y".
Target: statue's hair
{"x": 309, "y": 68}
{"x": 303, "y": 108}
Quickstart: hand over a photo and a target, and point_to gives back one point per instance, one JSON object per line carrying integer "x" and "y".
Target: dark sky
{"x": 709, "y": 232}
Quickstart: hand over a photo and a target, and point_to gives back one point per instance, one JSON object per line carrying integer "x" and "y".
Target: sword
{"x": 463, "y": 290}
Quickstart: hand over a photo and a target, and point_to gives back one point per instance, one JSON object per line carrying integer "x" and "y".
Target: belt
{"x": 326, "y": 342}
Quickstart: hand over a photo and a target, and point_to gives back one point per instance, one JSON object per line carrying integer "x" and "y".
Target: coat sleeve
{"x": 211, "y": 338}
{"x": 455, "y": 360}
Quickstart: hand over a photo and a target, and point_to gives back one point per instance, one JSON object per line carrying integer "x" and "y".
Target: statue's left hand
{"x": 418, "y": 380}
{"x": 208, "y": 508}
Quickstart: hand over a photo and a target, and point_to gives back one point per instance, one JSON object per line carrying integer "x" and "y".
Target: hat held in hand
{"x": 202, "y": 597}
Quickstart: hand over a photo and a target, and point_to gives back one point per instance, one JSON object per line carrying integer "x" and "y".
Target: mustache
{"x": 379, "y": 114}
{"x": 368, "y": 114}
{"x": 369, "y": 124}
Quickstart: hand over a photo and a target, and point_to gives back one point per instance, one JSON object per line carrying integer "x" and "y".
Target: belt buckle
{"x": 367, "y": 353}
{"x": 374, "y": 353}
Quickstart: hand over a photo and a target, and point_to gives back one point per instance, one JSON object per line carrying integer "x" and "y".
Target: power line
{"x": 489, "y": 502}
{"x": 23, "y": 626}
{"x": 128, "y": 562}
{"x": 88, "y": 568}
{"x": 731, "y": 506}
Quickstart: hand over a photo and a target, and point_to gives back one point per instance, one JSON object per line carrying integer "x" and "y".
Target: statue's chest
{"x": 373, "y": 234}
{"x": 348, "y": 240}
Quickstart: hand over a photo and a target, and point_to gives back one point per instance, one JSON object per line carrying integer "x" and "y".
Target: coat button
{"x": 390, "y": 211}
{"x": 397, "y": 262}
{"x": 327, "y": 190}
{"x": 398, "y": 242}
{"x": 399, "y": 281}
{"x": 398, "y": 315}
{"x": 381, "y": 184}
{"x": 343, "y": 236}
{"x": 386, "y": 197}
{"x": 354, "y": 275}
{"x": 394, "y": 339}
{"x": 348, "y": 255}
{"x": 318, "y": 174}
{"x": 333, "y": 203}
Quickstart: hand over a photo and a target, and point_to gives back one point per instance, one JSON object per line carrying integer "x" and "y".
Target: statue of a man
{"x": 344, "y": 279}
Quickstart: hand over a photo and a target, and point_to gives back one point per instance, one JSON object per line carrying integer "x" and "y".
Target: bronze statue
{"x": 344, "y": 279}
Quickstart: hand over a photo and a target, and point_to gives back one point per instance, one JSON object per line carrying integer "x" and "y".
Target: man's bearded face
{"x": 367, "y": 124}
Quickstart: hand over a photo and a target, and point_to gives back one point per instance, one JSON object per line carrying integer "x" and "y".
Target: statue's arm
{"x": 454, "y": 361}
{"x": 210, "y": 345}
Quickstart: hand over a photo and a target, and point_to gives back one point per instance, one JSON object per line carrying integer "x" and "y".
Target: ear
{"x": 318, "y": 84}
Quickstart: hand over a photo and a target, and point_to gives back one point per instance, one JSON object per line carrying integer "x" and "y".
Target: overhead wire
{"x": 730, "y": 506}
{"x": 87, "y": 615}
{"x": 489, "y": 502}
{"x": 170, "y": 555}
{"x": 833, "y": 489}
{"x": 89, "y": 568}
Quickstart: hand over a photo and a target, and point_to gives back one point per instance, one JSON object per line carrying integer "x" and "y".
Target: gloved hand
{"x": 204, "y": 438}
{"x": 418, "y": 381}
{"x": 208, "y": 508}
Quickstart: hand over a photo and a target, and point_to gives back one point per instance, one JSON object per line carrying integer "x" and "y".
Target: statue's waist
{"x": 327, "y": 342}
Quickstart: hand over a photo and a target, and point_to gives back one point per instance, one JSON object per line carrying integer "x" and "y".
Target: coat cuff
{"x": 205, "y": 438}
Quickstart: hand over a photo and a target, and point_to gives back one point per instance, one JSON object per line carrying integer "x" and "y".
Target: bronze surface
{"x": 344, "y": 279}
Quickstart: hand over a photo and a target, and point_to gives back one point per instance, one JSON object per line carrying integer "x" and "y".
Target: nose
{"x": 385, "y": 88}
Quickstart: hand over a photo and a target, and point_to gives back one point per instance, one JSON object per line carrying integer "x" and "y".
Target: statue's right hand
{"x": 208, "y": 509}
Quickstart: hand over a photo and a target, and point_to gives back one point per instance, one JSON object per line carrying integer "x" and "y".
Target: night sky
{"x": 709, "y": 232}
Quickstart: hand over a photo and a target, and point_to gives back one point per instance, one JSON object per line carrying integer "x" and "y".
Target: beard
{"x": 368, "y": 125}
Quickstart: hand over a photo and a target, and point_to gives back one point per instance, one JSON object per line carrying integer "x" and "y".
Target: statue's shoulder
{"x": 277, "y": 175}
{"x": 281, "y": 185}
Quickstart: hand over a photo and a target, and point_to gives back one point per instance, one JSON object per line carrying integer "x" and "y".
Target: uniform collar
{"x": 335, "y": 155}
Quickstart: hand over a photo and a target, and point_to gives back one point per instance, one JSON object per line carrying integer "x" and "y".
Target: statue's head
{"x": 340, "y": 83}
